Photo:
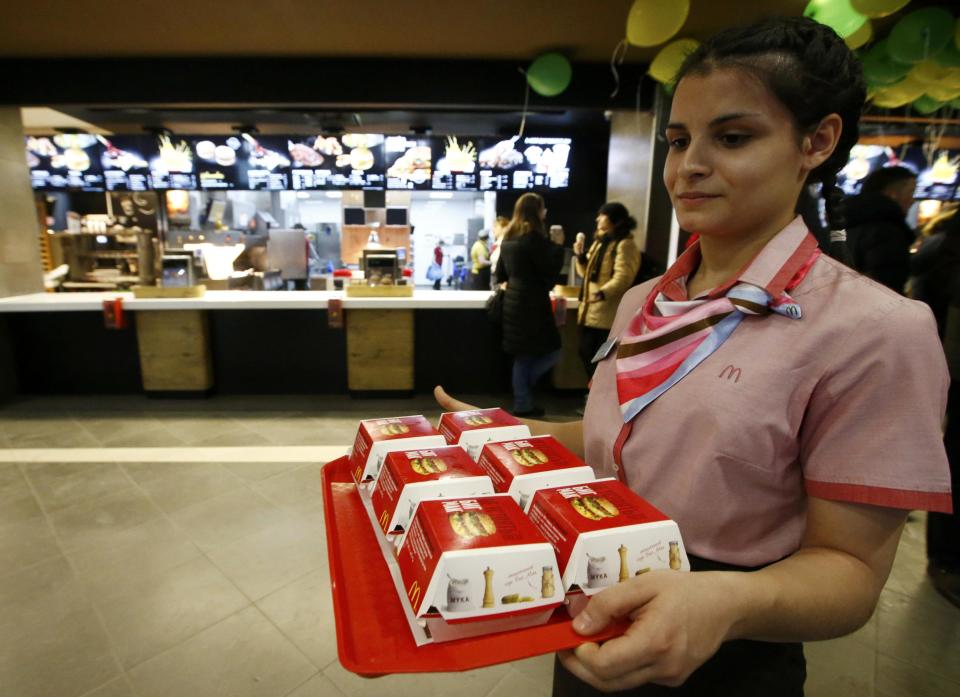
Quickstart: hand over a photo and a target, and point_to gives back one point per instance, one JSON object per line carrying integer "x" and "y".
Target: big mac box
{"x": 603, "y": 534}
{"x": 411, "y": 476}
{"x": 377, "y": 437}
{"x": 472, "y": 566}
{"x": 521, "y": 467}
{"x": 471, "y": 429}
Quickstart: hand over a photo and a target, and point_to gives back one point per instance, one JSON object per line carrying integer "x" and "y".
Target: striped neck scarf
{"x": 666, "y": 340}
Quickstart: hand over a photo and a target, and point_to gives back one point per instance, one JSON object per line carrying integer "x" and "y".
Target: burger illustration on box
{"x": 521, "y": 467}
{"x": 411, "y": 476}
{"x": 377, "y": 437}
{"x": 603, "y": 534}
{"x": 472, "y": 566}
{"x": 472, "y": 429}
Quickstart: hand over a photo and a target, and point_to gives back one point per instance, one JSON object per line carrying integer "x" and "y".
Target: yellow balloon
{"x": 952, "y": 78}
{"x": 652, "y": 22}
{"x": 910, "y": 88}
{"x": 861, "y": 36}
{"x": 928, "y": 72}
{"x": 888, "y": 100}
{"x": 942, "y": 93}
{"x": 668, "y": 61}
{"x": 878, "y": 8}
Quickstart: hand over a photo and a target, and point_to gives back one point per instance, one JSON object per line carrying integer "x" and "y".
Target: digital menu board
{"x": 172, "y": 164}
{"x": 220, "y": 162}
{"x": 524, "y": 163}
{"x": 937, "y": 180}
{"x": 125, "y": 162}
{"x": 66, "y": 162}
{"x": 455, "y": 164}
{"x": 267, "y": 164}
{"x": 409, "y": 162}
{"x": 351, "y": 161}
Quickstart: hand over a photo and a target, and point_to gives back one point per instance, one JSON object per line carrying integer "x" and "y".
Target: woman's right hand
{"x": 448, "y": 403}
{"x": 578, "y": 245}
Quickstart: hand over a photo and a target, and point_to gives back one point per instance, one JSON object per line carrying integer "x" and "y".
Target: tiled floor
{"x": 176, "y": 549}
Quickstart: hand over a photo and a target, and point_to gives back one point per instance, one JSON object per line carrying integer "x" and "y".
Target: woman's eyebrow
{"x": 714, "y": 122}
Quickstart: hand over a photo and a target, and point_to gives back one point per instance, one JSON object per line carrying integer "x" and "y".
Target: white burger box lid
{"x": 604, "y": 533}
{"x": 411, "y": 476}
{"x": 473, "y": 566}
{"x": 521, "y": 467}
{"x": 377, "y": 437}
{"x": 473, "y": 428}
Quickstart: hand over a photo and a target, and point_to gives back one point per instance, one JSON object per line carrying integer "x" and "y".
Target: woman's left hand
{"x": 678, "y": 621}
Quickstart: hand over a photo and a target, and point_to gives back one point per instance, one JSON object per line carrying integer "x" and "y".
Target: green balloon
{"x": 550, "y": 74}
{"x": 955, "y": 103}
{"x": 920, "y": 35}
{"x": 927, "y": 104}
{"x": 949, "y": 57}
{"x": 879, "y": 68}
{"x": 839, "y": 15}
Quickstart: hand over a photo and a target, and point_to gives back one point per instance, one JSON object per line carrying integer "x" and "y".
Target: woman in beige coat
{"x": 608, "y": 270}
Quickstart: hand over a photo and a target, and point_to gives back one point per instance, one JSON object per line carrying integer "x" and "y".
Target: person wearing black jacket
{"x": 529, "y": 264}
{"x": 878, "y": 236}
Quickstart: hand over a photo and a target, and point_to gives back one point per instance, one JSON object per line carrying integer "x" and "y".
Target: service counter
{"x": 264, "y": 342}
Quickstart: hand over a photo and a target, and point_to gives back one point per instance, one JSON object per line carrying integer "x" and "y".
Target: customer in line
{"x": 878, "y": 236}
{"x": 608, "y": 270}
{"x": 480, "y": 263}
{"x": 529, "y": 264}
{"x": 783, "y": 409}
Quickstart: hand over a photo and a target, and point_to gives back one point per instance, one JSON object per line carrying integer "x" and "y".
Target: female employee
{"x": 607, "y": 269}
{"x": 784, "y": 410}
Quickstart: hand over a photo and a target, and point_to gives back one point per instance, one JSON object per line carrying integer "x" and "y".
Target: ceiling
{"x": 586, "y": 30}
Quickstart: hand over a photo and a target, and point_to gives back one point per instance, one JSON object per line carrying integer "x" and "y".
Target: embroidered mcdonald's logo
{"x": 384, "y": 520}
{"x": 414, "y": 593}
{"x": 731, "y": 372}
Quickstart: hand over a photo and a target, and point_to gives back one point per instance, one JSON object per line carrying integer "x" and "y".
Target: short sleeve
{"x": 872, "y": 430}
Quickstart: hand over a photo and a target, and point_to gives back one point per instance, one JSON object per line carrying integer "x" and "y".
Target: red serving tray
{"x": 373, "y": 637}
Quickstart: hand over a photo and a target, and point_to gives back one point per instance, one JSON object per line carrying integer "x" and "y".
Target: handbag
{"x": 494, "y": 306}
{"x": 434, "y": 272}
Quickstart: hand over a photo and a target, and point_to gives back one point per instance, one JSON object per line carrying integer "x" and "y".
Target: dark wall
{"x": 8, "y": 370}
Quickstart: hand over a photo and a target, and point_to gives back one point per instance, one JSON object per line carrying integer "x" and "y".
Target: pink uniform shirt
{"x": 845, "y": 403}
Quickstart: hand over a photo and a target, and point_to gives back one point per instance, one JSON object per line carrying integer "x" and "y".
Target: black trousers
{"x": 590, "y": 340}
{"x": 740, "y": 668}
{"x": 943, "y": 529}
{"x": 480, "y": 281}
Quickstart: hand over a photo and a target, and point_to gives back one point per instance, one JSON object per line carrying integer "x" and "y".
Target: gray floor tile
{"x": 229, "y": 517}
{"x": 471, "y": 683}
{"x": 318, "y": 686}
{"x": 25, "y": 543}
{"x": 517, "y": 683}
{"x": 98, "y": 522}
{"x": 839, "y": 667}
{"x": 156, "y": 614}
{"x": 923, "y": 630}
{"x": 59, "y": 485}
{"x": 43, "y": 432}
{"x": 118, "y": 687}
{"x": 897, "y": 678}
{"x": 174, "y": 485}
{"x": 17, "y": 502}
{"x": 49, "y": 586}
{"x": 234, "y": 438}
{"x": 257, "y": 471}
{"x": 242, "y": 656}
{"x": 293, "y": 487}
{"x": 304, "y": 613}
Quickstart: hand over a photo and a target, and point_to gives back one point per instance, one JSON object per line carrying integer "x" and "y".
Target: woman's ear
{"x": 819, "y": 144}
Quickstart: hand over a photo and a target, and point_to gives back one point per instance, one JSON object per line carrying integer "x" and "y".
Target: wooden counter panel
{"x": 380, "y": 349}
{"x": 174, "y": 351}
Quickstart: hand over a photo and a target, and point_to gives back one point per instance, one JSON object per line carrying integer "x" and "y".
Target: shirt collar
{"x": 771, "y": 269}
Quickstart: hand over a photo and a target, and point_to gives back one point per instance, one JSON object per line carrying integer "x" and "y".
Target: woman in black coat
{"x": 529, "y": 265}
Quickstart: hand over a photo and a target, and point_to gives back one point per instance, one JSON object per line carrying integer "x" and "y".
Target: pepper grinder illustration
{"x": 488, "y": 600}
{"x": 675, "y": 555}
{"x": 546, "y": 583}
{"x": 624, "y": 569}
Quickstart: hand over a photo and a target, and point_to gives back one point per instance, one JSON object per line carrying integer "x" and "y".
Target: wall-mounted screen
{"x": 65, "y": 162}
{"x": 409, "y": 162}
{"x": 125, "y": 162}
{"x": 172, "y": 163}
{"x": 396, "y": 216}
{"x": 354, "y": 216}
{"x": 266, "y": 163}
{"x": 455, "y": 164}
{"x": 350, "y": 161}
{"x": 937, "y": 178}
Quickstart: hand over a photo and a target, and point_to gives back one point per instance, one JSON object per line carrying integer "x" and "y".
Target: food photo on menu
{"x": 172, "y": 167}
{"x": 267, "y": 162}
{"x": 337, "y": 162}
{"x": 64, "y": 162}
{"x": 221, "y": 162}
{"x": 456, "y": 168}
{"x": 124, "y": 161}
{"x": 409, "y": 162}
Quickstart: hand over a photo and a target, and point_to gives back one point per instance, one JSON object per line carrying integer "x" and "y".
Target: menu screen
{"x": 938, "y": 179}
{"x": 221, "y": 161}
{"x": 409, "y": 162}
{"x": 455, "y": 167}
{"x": 65, "y": 162}
{"x": 172, "y": 164}
{"x": 352, "y": 161}
{"x": 264, "y": 163}
{"x": 524, "y": 163}
{"x": 125, "y": 162}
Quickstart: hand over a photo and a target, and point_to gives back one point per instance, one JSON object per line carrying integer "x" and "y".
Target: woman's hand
{"x": 579, "y": 244}
{"x": 448, "y": 403}
{"x": 678, "y": 620}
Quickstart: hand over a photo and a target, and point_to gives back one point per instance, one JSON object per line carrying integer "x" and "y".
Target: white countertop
{"x": 425, "y": 299}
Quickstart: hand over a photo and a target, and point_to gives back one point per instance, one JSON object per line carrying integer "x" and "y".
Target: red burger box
{"x": 521, "y": 467}
{"x": 411, "y": 476}
{"x": 377, "y": 437}
{"x": 473, "y": 566}
{"x": 604, "y": 533}
{"x": 473, "y": 428}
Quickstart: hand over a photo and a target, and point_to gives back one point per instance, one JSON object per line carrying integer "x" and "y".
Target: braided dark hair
{"x": 812, "y": 73}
